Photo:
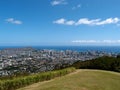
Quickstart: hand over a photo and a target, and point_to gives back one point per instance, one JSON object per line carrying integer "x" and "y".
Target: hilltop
{"x": 83, "y": 79}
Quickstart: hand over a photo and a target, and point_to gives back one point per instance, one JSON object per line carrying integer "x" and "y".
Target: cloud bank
{"x": 13, "y": 21}
{"x": 86, "y": 21}
{"x": 97, "y": 41}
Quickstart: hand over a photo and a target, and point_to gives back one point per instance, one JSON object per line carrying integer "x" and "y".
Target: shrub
{"x": 27, "y": 80}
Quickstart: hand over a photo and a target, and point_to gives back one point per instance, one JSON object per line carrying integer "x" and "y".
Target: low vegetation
{"x": 81, "y": 80}
{"x": 15, "y": 83}
{"x": 73, "y": 82}
{"x": 103, "y": 63}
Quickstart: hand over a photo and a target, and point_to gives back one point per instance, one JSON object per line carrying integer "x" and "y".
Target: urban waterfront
{"x": 40, "y": 59}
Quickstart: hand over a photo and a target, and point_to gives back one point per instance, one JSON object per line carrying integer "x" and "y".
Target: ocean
{"x": 111, "y": 49}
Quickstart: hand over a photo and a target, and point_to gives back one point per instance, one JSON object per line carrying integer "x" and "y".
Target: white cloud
{"x": 60, "y": 21}
{"x": 13, "y": 21}
{"x": 69, "y": 22}
{"x": 76, "y": 7}
{"x": 108, "y": 21}
{"x": 64, "y": 22}
{"x": 97, "y": 41}
{"x": 85, "y": 41}
{"x": 86, "y": 21}
{"x": 58, "y": 2}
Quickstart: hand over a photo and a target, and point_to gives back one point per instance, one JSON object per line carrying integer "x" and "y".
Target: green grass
{"x": 81, "y": 80}
{"x": 15, "y": 83}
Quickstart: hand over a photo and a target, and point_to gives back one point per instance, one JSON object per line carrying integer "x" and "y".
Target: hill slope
{"x": 81, "y": 80}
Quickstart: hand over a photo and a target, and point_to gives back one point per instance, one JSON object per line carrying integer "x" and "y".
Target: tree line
{"x": 103, "y": 63}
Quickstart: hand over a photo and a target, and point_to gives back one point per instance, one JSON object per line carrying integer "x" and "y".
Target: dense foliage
{"x": 104, "y": 63}
{"x": 12, "y": 84}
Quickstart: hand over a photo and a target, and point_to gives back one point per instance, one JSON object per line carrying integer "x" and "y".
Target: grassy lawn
{"x": 81, "y": 80}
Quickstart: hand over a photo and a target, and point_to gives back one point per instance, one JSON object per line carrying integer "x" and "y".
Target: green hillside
{"x": 81, "y": 80}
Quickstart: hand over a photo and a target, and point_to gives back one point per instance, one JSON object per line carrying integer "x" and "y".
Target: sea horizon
{"x": 82, "y": 48}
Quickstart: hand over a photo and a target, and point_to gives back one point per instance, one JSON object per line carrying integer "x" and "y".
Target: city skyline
{"x": 59, "y": 22}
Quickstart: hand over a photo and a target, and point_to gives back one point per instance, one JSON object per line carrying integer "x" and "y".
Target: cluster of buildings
{"x": 20, "y": 60}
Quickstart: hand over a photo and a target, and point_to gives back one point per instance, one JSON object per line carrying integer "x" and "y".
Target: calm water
{"x": 113, "y": 49}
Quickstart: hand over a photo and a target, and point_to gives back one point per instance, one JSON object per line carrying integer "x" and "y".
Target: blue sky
{"x": 59, "y": 22}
